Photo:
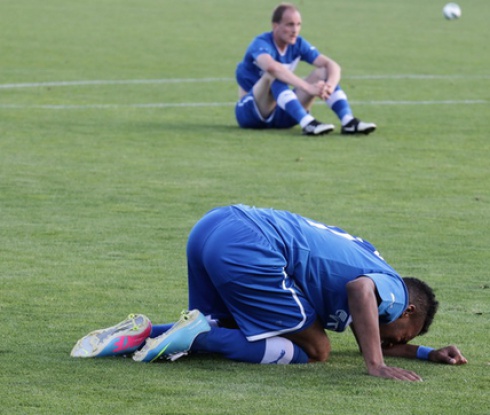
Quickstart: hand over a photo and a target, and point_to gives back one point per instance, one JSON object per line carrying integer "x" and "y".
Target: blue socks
{"x": 339, "y": 104}
{"x": 288, "y": 101}
{"x": 232, "y": 344}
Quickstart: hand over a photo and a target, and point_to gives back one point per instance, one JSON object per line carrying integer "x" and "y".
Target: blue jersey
{"x": 322, "y": 259}
{"x": 248, "y": 73}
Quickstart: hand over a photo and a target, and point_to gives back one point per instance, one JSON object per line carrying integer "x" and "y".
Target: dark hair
{"x": 279, "y": 11}
{"x": 423, "y": 298}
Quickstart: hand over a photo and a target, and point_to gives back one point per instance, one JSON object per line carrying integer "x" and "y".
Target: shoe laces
{"x": 132, "y": 317}
{"x": 185, "y": 314}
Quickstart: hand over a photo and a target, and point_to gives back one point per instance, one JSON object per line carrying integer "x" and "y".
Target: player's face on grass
{"x": 286, "y": 32}
{"x": 400, "y": 331}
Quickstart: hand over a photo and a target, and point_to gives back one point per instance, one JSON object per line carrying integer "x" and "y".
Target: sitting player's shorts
{"x": 234, "y": 273}
{"x": 248, "y": 115}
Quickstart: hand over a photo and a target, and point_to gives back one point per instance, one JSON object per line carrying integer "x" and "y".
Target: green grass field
{"x": 117, "y": 133}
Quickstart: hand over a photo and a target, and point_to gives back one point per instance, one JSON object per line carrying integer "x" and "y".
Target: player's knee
{"x": 321, "y": 352}
{"x": 314, "y": 341}
{"x": 318, "y": 74}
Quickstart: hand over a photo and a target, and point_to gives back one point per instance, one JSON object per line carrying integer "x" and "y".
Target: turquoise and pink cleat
{"x": 122, "y": 339}
{"x": 177, "y": 341}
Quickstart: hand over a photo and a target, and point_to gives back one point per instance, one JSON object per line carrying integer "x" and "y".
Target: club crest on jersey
{"x": 338, "y": 321}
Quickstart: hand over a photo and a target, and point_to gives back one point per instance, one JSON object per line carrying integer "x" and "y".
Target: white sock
{"x": 306, "y": 120}
{"x": 347, "y": 119}
{"x": 278, "y": 350}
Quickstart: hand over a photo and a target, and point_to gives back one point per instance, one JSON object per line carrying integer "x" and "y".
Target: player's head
{"x": 286, "y": 24}
{"x": 424, "y": 299}
{"x": 416, "y": 319}
{"x": 278, "y": 12}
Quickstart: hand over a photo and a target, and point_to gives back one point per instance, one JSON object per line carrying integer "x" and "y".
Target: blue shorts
{"x": 248, "y": 115}
{"x": 235, "y": 273}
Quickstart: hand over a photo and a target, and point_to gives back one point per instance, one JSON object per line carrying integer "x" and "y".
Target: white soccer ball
{"x": 451, "y": 11}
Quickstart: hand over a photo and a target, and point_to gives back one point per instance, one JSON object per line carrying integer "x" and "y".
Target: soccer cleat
{"x": 177, "y": 341}
{"x": 356, "y": 126}
{"x": 123, "y": 338}
{"x": 317, "y": 128}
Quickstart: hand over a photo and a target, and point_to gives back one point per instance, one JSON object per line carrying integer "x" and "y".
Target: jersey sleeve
{"x": 393, "y": 294}
{"x": 308, "y": 52}
{"x": 258, "y": 47}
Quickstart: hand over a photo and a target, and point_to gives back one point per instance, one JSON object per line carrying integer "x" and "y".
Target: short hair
{"x": 423, "y": 298}
{"x": 279, "y": 11}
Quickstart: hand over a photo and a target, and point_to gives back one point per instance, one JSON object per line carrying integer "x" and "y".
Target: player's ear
{"x": 409, "y": 311}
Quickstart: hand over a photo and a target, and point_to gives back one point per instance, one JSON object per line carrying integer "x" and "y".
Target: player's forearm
{"x": 332, "y": 69}
{"x": 408, "y": 351}
{"x": 364, "y": 311}
{"x": 285, "y": 75}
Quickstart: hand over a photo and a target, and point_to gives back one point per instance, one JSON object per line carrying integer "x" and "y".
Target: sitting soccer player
{"x": 263, "y": 287}
{"x": 266, "y": 73}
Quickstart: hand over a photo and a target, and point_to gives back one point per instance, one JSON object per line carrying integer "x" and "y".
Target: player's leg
{"x": 257, "y": 108}
{"x": 232, "y": 344}
{"x": 215, "y": 260}
{"x": 220, "y": 228}
{"x": 193, "y": 333}
{"x": 272, "y": 104}
{"x": 339, "y": 104}
{"x": 288, "y": 102}
{"x": 249, "y": 275}
{"x": 269, "y": 92}
{"x": 214, "y": 254}
{"x": 204, "y": 296}
{"x": 202, "y": 292}
{"x": 259, "y": 104}
{"x": 264, "y": 100}
{"x": 314, "y": 341}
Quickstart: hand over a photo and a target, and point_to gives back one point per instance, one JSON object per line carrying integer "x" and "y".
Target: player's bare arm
{"x": 450, "y": 355}
{"x": 364, "y": 311}
{"x": 278, "y": 71}
{"x": 332, "y": 72}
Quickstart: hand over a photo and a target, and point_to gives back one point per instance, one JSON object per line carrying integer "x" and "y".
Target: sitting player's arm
{"x": 450, "y": 355}
{"x": 363, "y": 307}
{"x": 268, "y": 64}
{"x": 332, "y": 69}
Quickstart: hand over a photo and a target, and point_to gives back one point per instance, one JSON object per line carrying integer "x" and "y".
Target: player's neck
{"x": 281, "y": 46}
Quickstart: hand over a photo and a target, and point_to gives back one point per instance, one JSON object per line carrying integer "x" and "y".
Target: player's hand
{"x": 319, "y": 90}
{"x": 394, "y": 373}
{"x": 329, "y": 89}
{"x": 326, "y": 90}
{"x": 449, "y": 355}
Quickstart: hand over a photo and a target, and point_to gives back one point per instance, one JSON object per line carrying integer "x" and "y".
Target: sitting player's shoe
{"x": 317, "y": 128}
{"x": 356, "y": 126}
{"x": 123, "y": 338}
{"x": 177, "y": 341}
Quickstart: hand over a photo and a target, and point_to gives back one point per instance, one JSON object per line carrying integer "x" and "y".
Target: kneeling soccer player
{"x": 264, "y": 285}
